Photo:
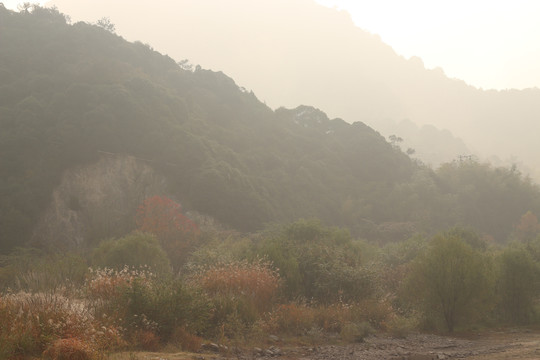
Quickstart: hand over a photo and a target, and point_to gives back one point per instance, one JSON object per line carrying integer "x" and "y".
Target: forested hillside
{"x": 298, "y": 52}
{"x": 71, "y": 94}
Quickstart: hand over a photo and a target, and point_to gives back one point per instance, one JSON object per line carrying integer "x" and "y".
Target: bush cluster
{"x": 301, "y": 280}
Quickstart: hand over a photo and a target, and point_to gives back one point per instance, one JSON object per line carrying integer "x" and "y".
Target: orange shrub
{"x": 107, "y": 284}
{"x": 32, "y": 323}
{"x": 147, "y": 340}
{"x": 187, "y": 341}
{"x": 297, "y": 319}
{"x": 256, "y": 281}
{"x": 291, "y": 319}
{"x": 333, "y": 317}
{"x": 69, "y": 349}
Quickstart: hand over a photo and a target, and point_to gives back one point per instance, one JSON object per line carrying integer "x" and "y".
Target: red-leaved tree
{"x": 528, "y": 227}
{"x": 163, "y": 217}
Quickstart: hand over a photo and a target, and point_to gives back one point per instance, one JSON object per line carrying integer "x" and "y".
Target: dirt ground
{"x": 493, "y": 346}
{"x": 503, "y": 345}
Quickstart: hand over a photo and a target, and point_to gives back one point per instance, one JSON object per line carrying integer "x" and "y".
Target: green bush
{"x": 450, "y": 282}
{"x": 134, "y": 250}
{"x": 164, "y": 306}
{"x": 32, "y": 270}
{"x": 517, "y": 285}
{"x": 317, "y": 262}
{"x": 232, "y": 317}
{"x": 352, "y": 332}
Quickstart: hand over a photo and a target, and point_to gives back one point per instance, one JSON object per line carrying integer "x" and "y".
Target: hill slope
{"x": 294, "y": 52}
{"x": 71, "y": 95}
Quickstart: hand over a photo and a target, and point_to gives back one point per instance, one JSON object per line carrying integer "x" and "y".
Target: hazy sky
{"x": 12, "y": 4}
{"x": 487, "y": 43}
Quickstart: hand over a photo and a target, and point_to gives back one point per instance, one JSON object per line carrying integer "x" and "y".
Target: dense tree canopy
{"x": 71, "y": 93}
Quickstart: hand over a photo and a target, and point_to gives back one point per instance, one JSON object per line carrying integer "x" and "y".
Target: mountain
{"x": 292, "y": 52}
{"x": 72, "y": 94}
{"x": 91, "y": 125}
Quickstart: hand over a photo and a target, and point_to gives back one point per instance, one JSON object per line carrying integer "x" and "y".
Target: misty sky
{"x": 12, "y": 4}
{"x": 487, "y": 43}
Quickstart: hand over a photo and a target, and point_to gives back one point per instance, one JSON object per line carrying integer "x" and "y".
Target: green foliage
{"x": 134, "y": 250}
{"x": 144, "y": 303}
{"x": 232, "y": 317}
{"x": 469, "y": 236}
{"x": 352, "y": 332}
{"x": 166, "y": 305}
{"x": 403, "y": 252}
{"x": 220, "y": 249}
{"x": 316, "y": 262}
{"x": 517, "y": 285}
{"x": 490, "y": 200}
{"x": 451, "y": 282}
{"x": 34, "y": 271}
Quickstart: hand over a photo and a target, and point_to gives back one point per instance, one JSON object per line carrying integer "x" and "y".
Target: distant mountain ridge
{"x": 293, "y": 52}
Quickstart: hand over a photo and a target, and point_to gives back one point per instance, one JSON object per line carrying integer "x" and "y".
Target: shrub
{"x": 351, "y": 332}
{"x": 298, "y": 319}
{"x": 401, "y": 326}
{"x": 517, "y": 285}
{"x": 240, "y": 292}
{"x": 331, "y": 318}
{"x": 69, "y": 349}
{"x": 146, "y": 303}
{"x": 294, "y": 319}
{"x": 450, "y": 282}
{"x": 135, "y": 250}
{"x": 232, "y": 316}
{"x": 256, "y": 282}
{"x": 33, "y": 323}
{"x": 376, "y": 312}
{"x": 186, "y": 340}
{"x": 147, "y": 340}
{"x": 107, "y": 284}
{"x": 30, "y": 270}
{"x": 319, "y": 263}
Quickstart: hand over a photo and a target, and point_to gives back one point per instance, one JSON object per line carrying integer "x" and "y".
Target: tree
{"x": 517, "y": 284}
{"x": 450, "y": 281}
{"x": 163, "y": 217}
{"x": 25, "y": 7}
{"x": 106, "y": 24}
{"x": 528, "y": 228}
{"x": 318, "y": 263}
{"x": 185, "y": 65}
